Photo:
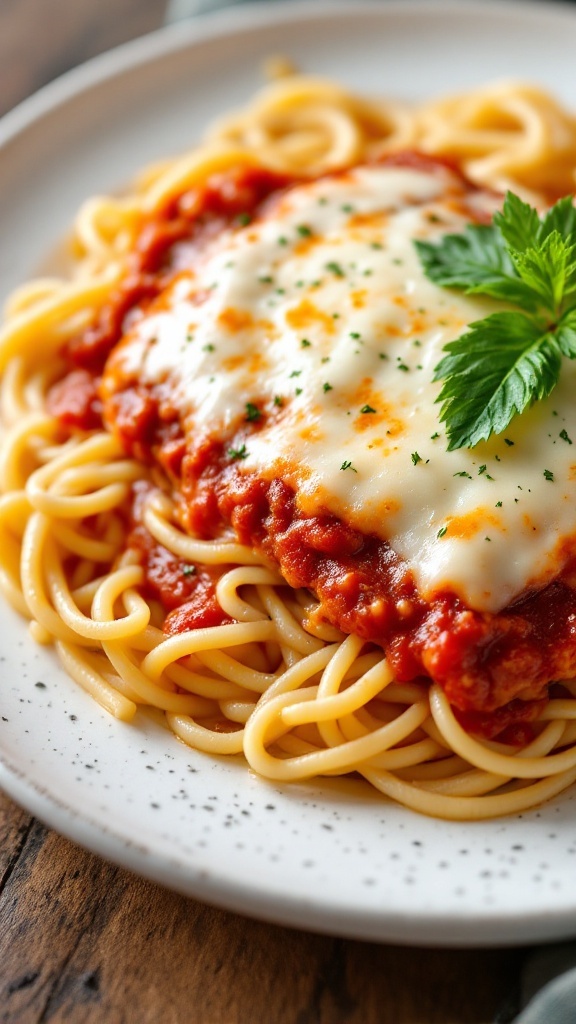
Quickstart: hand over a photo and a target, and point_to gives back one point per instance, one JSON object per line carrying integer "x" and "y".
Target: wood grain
{"x": 83, "y": 941}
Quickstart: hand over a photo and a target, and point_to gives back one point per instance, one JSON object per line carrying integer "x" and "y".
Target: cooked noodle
{"x": 292, "y": 694}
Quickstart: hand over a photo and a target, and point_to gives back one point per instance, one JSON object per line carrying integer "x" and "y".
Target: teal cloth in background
{"x": 555, "y": 1004}
{"x": 547, "y": 989}
{"x": 546, "y": 993}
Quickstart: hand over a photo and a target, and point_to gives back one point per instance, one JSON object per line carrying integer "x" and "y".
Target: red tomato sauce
{"x": 483, "y": 661}
{"x": 186, "y": 592}
{"x": 494, "y": 668}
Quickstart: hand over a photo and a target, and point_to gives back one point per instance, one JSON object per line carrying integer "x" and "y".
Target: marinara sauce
{"x": 494, "y": 668}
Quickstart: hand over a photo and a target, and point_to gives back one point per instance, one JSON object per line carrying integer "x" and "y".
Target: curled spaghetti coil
{"x": 309, "y": 126}
{"x": 295, "y": 705}
{"x": 506, "y": 135}
{"x": 277, "y": 684}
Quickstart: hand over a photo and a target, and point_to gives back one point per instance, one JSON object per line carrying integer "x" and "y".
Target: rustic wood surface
{"x": 83, "y": 941}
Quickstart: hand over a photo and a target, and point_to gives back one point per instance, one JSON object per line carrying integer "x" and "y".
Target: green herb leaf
{"x": 565, "y": 334}
{"x": 492, "y": 372}
{"x": 501, "y": 365}
{"x": 238, "y": 453}
{"x": 548, "y": 269}
{"x": 476, "y": 261}
{"x": 253, "y": 413}
{"x": 518, "y": 223}
{"x": 562, "y": 218}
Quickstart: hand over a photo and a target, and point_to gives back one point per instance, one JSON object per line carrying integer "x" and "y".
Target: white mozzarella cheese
{"x": 319, "y": 313}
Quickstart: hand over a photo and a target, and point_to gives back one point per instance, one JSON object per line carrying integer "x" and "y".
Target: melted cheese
{"x": 319, "y": 314}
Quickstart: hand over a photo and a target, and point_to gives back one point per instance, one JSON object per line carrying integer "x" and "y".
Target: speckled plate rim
{"x": 469, "y": 924}
{"x": 439, "y": 930}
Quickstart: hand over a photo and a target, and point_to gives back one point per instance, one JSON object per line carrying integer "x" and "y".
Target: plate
{"x": 333, "y": 856}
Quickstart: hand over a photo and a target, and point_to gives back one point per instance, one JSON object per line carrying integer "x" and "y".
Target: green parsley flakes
{"x": 253, "y": 413}
{"x": 238, "y": 453}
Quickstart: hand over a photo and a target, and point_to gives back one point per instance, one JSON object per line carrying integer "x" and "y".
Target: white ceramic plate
{"x": 331, "y": 857}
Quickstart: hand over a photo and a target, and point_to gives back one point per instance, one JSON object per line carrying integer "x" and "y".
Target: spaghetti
{"x": 99, "y": 547}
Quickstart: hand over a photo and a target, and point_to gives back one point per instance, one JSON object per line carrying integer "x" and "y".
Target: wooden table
{"x": 83, "y": 941}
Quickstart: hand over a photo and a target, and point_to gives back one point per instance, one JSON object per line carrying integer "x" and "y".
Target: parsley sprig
{"x": 503, "y": 364}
